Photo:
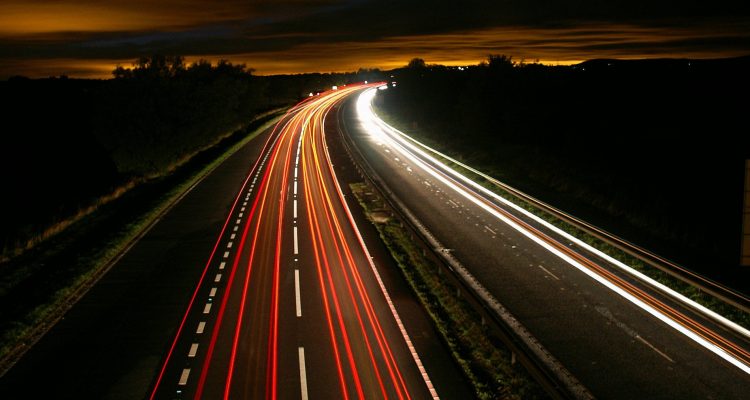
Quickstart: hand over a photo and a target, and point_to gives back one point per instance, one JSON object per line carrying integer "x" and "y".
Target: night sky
{"x": 88, "y": 38}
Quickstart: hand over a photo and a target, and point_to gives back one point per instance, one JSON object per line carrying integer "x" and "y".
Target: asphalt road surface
{"x": 618, "y": 349}
{"x": 258, "y": 284}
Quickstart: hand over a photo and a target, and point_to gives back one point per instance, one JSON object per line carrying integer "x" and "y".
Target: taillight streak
{"x": 373, "y": 320}
{"x": 210, "y": 260}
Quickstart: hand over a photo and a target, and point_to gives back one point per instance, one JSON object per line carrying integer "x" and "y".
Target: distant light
{"x": 311, "y": 95}
{"x": 365, "y": 82}
{"x": 334, "y": 88}
{"x": 393, "y": 84}
{"x": 383, "y": 87}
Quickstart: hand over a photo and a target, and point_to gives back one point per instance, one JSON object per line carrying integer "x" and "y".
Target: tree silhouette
{"x": 416, "y": 63}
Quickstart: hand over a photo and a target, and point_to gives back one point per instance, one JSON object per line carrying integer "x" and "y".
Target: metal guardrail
{"x": 556, "y": 380}
{"x": 684, "y": 275}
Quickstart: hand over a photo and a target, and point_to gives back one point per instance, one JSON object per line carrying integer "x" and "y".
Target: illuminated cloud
{"x": 88, "y": 38}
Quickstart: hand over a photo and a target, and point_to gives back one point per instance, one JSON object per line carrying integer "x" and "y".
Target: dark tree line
{"x": 652, "y": 150}
{"x": 67, "y": 142}
{"x": 152, "y": 116}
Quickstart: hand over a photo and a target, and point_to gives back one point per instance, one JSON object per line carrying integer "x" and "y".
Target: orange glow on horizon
{"x": 550, "y": 46}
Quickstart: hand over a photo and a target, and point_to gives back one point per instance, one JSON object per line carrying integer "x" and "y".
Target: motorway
{"x": 622, "y": 336}
{"x": 291, "y": 289}
{"x": 258, "y": 284}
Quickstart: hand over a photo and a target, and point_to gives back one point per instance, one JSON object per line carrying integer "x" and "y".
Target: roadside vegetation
{"x": 648, "y": 150}
{"x": 72, "y": 145}
{"x": 88, "y": 165}
{"x": 703, "y": 298}
{"x": 487, "y": 364}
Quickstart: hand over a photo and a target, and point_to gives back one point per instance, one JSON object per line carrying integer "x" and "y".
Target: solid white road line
{"x": 302, "y": 374}
{"x": 193, "y": 350}
{"x": 201, "y": 327}
{"x": 184, "y": 377}
{"x": 297, "y": 298}
{"x": 296, "y": 244}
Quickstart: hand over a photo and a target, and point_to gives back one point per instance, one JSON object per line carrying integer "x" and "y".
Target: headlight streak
{"x": 396, "y": 139}
{"x": 625, "y": 268}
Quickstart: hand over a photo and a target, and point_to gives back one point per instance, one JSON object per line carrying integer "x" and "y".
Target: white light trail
{"x": 382, "y": 132}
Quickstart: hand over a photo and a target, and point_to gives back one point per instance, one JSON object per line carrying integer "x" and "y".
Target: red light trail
{"x": 252, "y": 335}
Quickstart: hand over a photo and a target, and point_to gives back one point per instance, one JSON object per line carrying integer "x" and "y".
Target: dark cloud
{"x": 302, "y": 34}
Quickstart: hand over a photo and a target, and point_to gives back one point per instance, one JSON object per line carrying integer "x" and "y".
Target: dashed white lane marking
{"x": 296, "y": 244}
{"x": 229, "y": 245}
{"x": 297, "y": 298}
{"x": 207, "y": 308}
{"x": 233, "y": 236}
{"x": 218, "y": 278}
{"x": 295, "y": 187}
{"x": 302, "y": 374}
{"x": 453, "y": 203}
{"x": 184, "y": 377}
{"x": 244, "y": 204}
{"x": 213, "y": 292}
{"x": 295, "y": 208}
{"x": 193, "y": 350}
{"x": 238, "y": 221}
{"x": 243, "y": 208}
{"x": 236, "y": 227}
{"x": 226, "y": 254}
{"x": 222, "y": 265}
{"x": 295, "y": 172}
{"x": 201, "y": 327}
{"x": 490, "y": 229}
{"x": 547, "y": 271}
{"x": 240, "y": 215}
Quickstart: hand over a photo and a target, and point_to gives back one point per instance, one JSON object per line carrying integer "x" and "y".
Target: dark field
{"x": 652, "y": 151}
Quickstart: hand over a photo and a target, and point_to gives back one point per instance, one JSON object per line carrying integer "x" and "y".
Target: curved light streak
{"x": 397, "y": 140}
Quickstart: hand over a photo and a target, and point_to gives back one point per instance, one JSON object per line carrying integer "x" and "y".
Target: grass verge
{"x": 487, "y": 364}
{"x": 40, "y": 285}
{"x": 692, "y": 292}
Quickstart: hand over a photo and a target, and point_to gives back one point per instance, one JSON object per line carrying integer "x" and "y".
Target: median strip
{"x": 486, "y": 363}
